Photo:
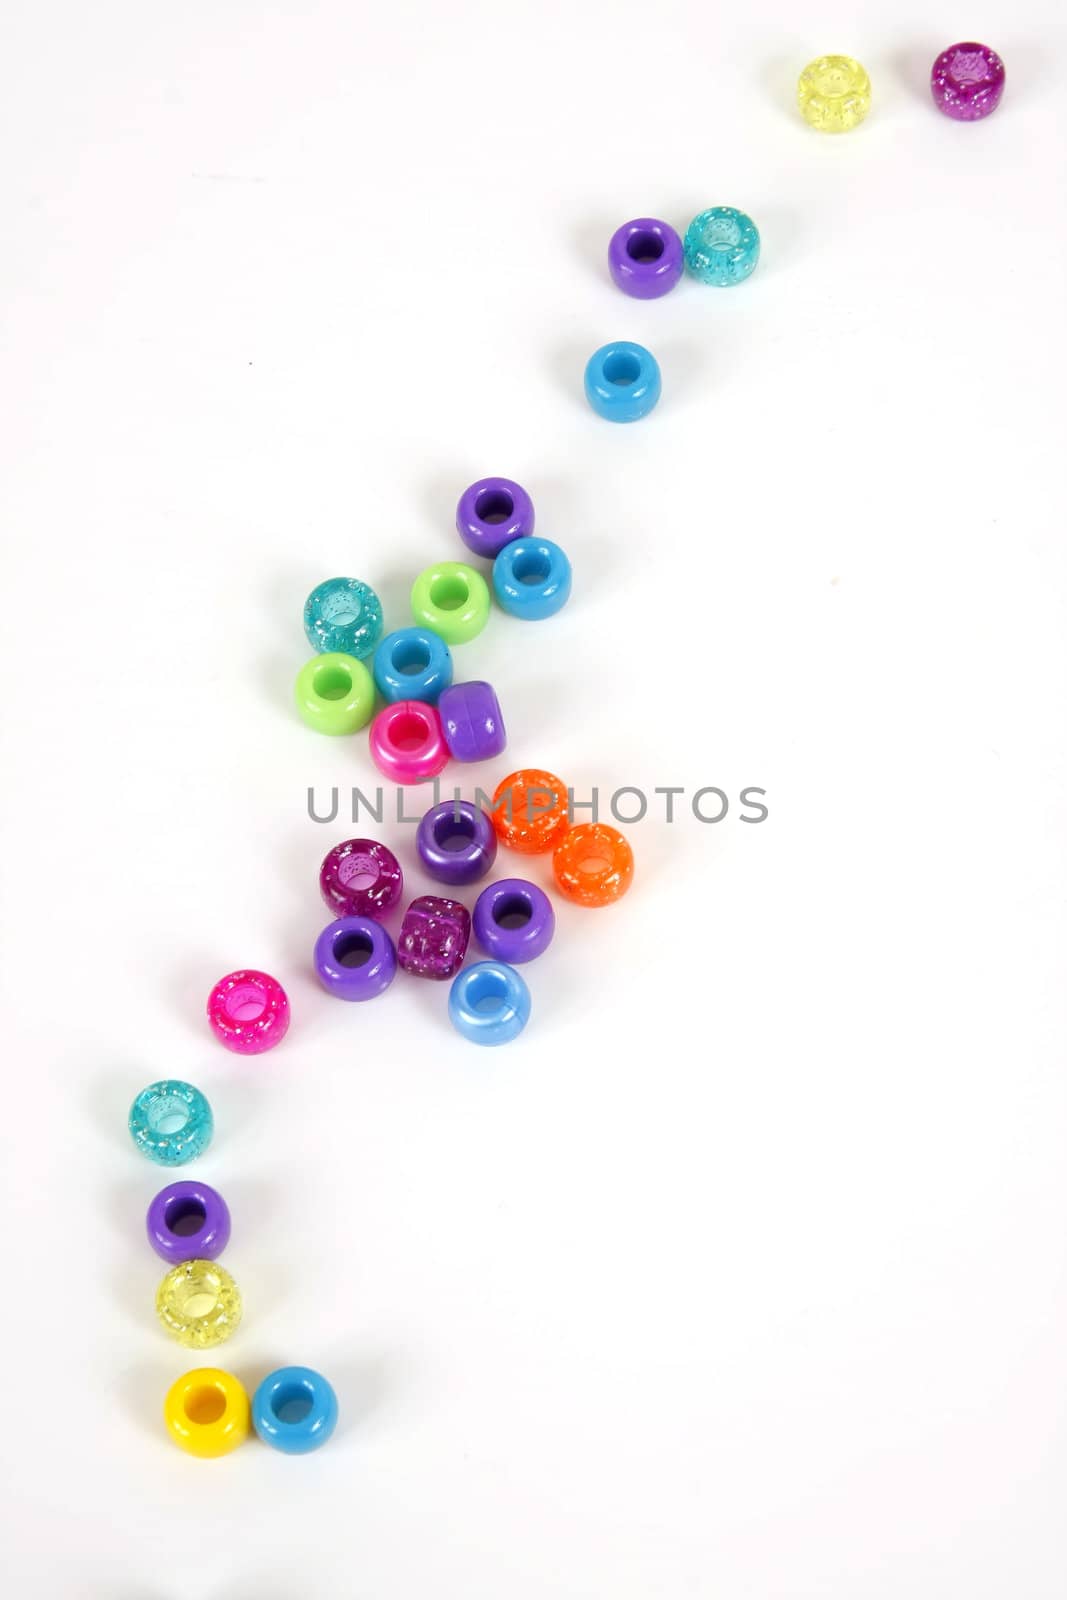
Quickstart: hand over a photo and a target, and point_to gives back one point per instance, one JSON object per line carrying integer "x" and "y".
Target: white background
{"x": 742, "y": 1274}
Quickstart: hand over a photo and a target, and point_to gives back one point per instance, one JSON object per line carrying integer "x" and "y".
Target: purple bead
{"x": 188, "y": 1222}
{"x": 493, "y": 512}
{"x": 470, "y": 717}
{"x": 457, "y": 842}
{"x": 361, "y": 878}
{"x": 646, "y": 258}
{"x": 514, "y": 921}
{"x": 355, "y": 958}
{"x": 967, "y": 81}
{"x": 433, "y": 937}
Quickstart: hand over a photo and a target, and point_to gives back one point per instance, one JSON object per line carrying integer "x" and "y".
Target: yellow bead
{"x": 207, "y": 1412}
{"x": 199, "y": 1303}
{"x": 834, "y": 94}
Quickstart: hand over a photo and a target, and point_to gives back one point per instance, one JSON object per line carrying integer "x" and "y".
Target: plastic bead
{"x": 531, "y": 811}
{"x": 645, "y": 258}
{"x": 473, "y": 726}
{"x": 622, "y": 381}
{"x": 532, "y": 579}
{"x": 207, "y": 1412}
{"x": 335, "y": 694}
{"x": 593, "y": 864}
{"x": 513, "y": 921}
{"x": 248, "y": 1012}
{"x": 434, "y": 936}
{"x": 456, "y": 842}
{"x": 188, "y": 1221}
{"x": 294, "y": 1410}
{"x": 407, "y": 742}
{"x": 722, "y": 246}
{"x": 412, "y": 664}
{"x": 355, "y": 958}
{"x": 493, "y": 512}
{"x": 967, "y": 81}
{"x": 452, "y": 599}
{"x": 361, "y": 878}
{"x": 171, "y": 1122}
{"x": 489, "y": 1003}
{"x": 199, "y": 1304}
{"x": 343, "y": 615}
{"x": 834, "y": 94}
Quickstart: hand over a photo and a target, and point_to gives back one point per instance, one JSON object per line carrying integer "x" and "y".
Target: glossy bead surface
{"x": 434, "y": 936}
{"x": 248, "y": 1012}
{"x": 489, "y": 1003}
{"x": 171, "y": 1122}
{"x": 967, "y": 82}
{"x": 355, "y": 958}
{"x": 721, "y": 246}
{"x": 207, "y": 1412}
{"x": 645, "y": 258}
{"x": 622, "y": 381}
{"x": 513, "y": 921}
{"x": 343, "y": 615}
{"x": 452, "y": 599}
{"x": 532, "y": 579}
{"x": 407, "y": 742}
{"x": 471, "y": 720}
{"x": 199, "y": 1304}
{"x": 188, "y": 1221}
{"x": 593, "y": 864}
{"x": 834, "y": 94}
{"x": 334, "y": 694}
{"x": 456, "y": 842}
{"x": 294, "y": 1410}
{"x": 531, "y": 810}
{"x": 412, "y": 664}
{"x": 493, "y": 512}
{"x": 361, "y": 878}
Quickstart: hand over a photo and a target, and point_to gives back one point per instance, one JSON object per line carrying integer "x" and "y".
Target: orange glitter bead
{"x": 530, "y": 811}
{"x": 594, "y": 864}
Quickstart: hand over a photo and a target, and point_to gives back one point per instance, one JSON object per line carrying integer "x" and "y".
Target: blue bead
{"x": 721, "y": 246}
{"x": 295, "y": 1410}
{"x": 412, "y": 664}
{"x": 343, "y": 615}
{"x": 489, "y": 1003}
{"x": 171, "y": 1122}
{"x": 622, "y": 381}
{"x": 532, "y": 578}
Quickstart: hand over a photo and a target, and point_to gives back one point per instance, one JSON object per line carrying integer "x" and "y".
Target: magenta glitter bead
{"x": 188, "y": 1222}
{"x": 967, "y": 81}
{"x": 434, "y": 936}
{"x": 361, "y": 878}
{"x": 645, "y": 258}
{"x": 471, "y": 720}
{"x": 248, "y": 1012}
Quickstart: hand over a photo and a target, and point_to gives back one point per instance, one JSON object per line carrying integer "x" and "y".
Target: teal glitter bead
{"x": 721, "y": 246}
{"x": 343, "y": 615}
{"x": 171, "y": 1122}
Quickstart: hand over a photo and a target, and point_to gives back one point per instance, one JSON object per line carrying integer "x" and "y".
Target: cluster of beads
{"x": 208, "y": 1412}
{"x": 966, "y": 81}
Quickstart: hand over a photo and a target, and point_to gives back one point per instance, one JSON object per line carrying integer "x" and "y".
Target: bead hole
{"x": 513, "y": 911}
{"x": 205, "y": 1406}
{"x": 409, "y": 731}
{"x": 196, "y": 1297}
{"x": 622, "y": 368}
{"x": 292, "y": 1402}
{"x": 341, "y": 610}
{"x": 453, "y": 832}
{"x": 332, "y": 683}
{"x": 449, "y": 592}
{"x": 167, "y": 1115}
{"x": 494, "y": 505}
{"x": 486, "y": 992}
{"x": 594, "y": 863}
{"x": 532, "y": 566}
{"x": 644, "y": 246}
{"x": 245, "y": 1003}
{"x": 185, "y": 1217}
{"x": 358, "y": 872}
{"x": 967, "y": 67}
{"x": 352, "y": 949}
{"x": 410, "y": 656}
{"x": 722, "y": 233}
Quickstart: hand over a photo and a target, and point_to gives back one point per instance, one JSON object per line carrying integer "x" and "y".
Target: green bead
{"x": 335, "y": 693}
{"x": 452, "y": 599}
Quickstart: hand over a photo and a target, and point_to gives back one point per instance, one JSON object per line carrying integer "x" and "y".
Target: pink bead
{"x": 407, "y": 742}
{"x": 248, "y": 1012}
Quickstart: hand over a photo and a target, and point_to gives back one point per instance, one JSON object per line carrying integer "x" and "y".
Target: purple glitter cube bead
{"x": 967, "y": 81}
{"x": 433, "y": 937}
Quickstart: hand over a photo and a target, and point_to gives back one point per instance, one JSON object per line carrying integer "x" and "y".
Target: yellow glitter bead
{"x": 834, "y": 94}
{"x": 199, "y": 1304}
{"x": 207, "y": 1412}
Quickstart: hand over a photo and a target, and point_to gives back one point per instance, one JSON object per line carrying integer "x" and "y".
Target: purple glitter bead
{"x": 355, "y": 958}
{"x": 492, "y": 513}
{"x": 433, "y": 937}
{"x": 514, "y": 921}
{"x": 457, "y": 842}
{"x": 470, "y": 716}
{"x": 361, "y": 878}
{"x": 967, "y": 81}
{"x": 646, "y": 258}
{"x": 188, "y": 1222}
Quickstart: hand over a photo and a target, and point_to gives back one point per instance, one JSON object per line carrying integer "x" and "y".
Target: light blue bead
{"x": 412, "y": 664}
{"x": 345, "y": 615}
{"x": 295, "y": 1410}
{"x": 171, "y": 1122}
{"x": 489, "y": 1003}
{"x": 532, "y": 578}
{"x": 622, "y": 381}
{"x": 721, "y": 246}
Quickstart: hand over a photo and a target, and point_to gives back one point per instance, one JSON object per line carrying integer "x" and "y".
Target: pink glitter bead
{"x": 407, "y": 742}
{"x": 248, "y": 1012}
{"x": 967, "y": 81}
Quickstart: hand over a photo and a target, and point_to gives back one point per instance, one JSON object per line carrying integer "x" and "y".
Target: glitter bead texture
{"x": 721, "y": 246}
{"x": 967, "y": 81}
{"x": 171, "y": 1122}
{"x": 199, "y": 1304}
{"x": 834, "y": 94}
{"x": 343, "y": 614}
